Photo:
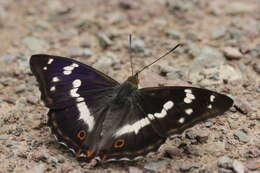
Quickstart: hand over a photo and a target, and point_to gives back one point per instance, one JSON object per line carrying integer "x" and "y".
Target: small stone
{"x": 193, "y": 36}
{"x": 172, "y": 152}
{"x": 176, "y": 35}
{"x": 4, "y": 137}
{"x": 225, "y": 162}
{"x": 104, "y": 40}
{"x": 252, "y": 164}
{"x": 214, "y": 147}
{"x": 242, "y": 106}
{"x": 190, "y": 134}
{"x": 238, "y": 167}
{"x": 202, "y": 136}
{"x": 37, "y": 169}
{"x": 191, "y": 149}
{"x": 208, "y": 124}
{"x": 138, "y": 46}
{"x": 35, "y": 44}
{"x": 242, "y": 136}
{"x": 187, "y": 166}
{"x": 133, "y": 169}
{"x": 232, "y": 53}
{"x": 223, "y": 170}
{"x": 256, "y": 67}
{"x": 218, "y": 33}
{"x": 234, "y": 116}
{"x": 77, "y": 52}
{"x": 234, "y": 7}
{"x": 20, "y": 88}
{"x": 156, "y": 165}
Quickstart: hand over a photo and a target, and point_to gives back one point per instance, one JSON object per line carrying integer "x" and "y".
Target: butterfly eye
{"x": 81, "y": 134}
{"x": 119, "y": 143}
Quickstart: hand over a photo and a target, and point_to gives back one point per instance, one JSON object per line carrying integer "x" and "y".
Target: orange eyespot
{"x": 119, "y": 143}
{"x": 89, "y": 153}
{"x": 81, "y": 134}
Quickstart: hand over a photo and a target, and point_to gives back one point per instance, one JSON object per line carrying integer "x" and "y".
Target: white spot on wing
{"x": 168, "y": 105}
{"x": 84, "y": 114}
{"x": 45, "y": 68}
{"x": 76, "y": 83}
{"x": 53, "y": 88}
{"x": 187, "y": 100}
{"x": 55, "y": 79}
{"x": 68, "y": 69}
{"x": 189, "y": 111}
{"x": 187, "y": 90}
{"x": 209, "y": 106}
{"x": 135, "y": 127}
{"x": 73, "y": 92}
{"x": 80, "y": 99}
{"x": 181, "y": 120}
{"x": 50, "y": 61}
{"x": 212, "y": 97}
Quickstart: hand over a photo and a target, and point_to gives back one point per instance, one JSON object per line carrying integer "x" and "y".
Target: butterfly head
{"x": 134, "y": 80}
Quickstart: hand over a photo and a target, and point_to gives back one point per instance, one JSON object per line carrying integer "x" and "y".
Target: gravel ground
{"x": 221, "y": 52}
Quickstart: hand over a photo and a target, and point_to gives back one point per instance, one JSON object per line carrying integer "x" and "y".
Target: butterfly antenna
{"x": 130, "y": 53}
{"x": 167, "y": 53}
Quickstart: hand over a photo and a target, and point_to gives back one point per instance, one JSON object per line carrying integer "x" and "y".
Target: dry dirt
{"x": 228, "y": 31}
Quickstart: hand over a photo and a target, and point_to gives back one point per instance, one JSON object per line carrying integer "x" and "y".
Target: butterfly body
{"x": 96, "y": 117}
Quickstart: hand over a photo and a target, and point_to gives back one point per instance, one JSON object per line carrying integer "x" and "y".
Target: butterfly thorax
{"x": 126, "y": 89}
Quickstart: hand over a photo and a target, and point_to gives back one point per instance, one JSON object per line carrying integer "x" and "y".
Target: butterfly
{"x": 98, "y": 118}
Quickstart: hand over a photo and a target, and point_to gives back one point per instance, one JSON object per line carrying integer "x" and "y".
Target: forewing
{"x": 63, "y": 80}
{"x": 174, "y": 109}
{"x": 74, "y": 92}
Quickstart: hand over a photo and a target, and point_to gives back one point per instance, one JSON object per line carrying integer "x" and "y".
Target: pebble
{"x": 78, "y": 52}
{"x": 218, "y": 33}
{"x": 238, "y": 167}
{"x": 190, "y": 134}
{"x": 133, "y": 169}
{"x": 208, "y": 124}
{"x": 234, "y": 7}
{"x": 156, "y": 165}
{"x": 256, "y": 67}
{"x": 104, "y": 40}
{"x": 187, "y": 166}
{"x": 234, "y": 116}
{"x": 193, "y": 150}
{"x": 4, "y": 137}
{"x": 176, "y": 74}
{"x": 173, "y": 34}
{"x": 172, "y": 152}
{"x": 242, "y": 136}
{"x": 41, "y": 168}
{"x": 193, "y": 36}
{"x": 223, "y": 170}
{"x": 138, "y": 46}
{"x": 252, "y": 164}
{"x": 232, "y": 53}
{"x": 202, "y": 136}
{"x": 35, "y": 44}
{"x": 20, "y": 88}
{"x": 242, "y": 106}
{"x": 225, "y": 162}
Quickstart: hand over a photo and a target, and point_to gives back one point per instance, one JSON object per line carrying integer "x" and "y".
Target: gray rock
{"x": 4, "y": 137}
{"x": 176, "y": 35}
{"x": 105, "y": 62}
{"x": 78, "y": 52}
{"x": 256, "y": 67}
{"x": 138, "y": 46}
{"x": 218, "y": 33}
{"x": 193, "y": 36}
{"x": 238, "y": 167}
{"x": 190, "y": 134}
{"x": 172, "y": 152}
{"x": 225, "y": 162}
{"x": 35, "y": 44}
{"x": 41, "y": 168}
{"x": 202, "y": 136}
{"x": 242, "y": 136}
{"x": 232, "y": 53}
{"x": 20, "y": 88}
{"x": 208, "y": 124}
{"x": 209, "y": 57}
{"x": 187, "y": 166}
{"x": 133, "y": 169}
{"x": 234, "y": 7}
{"x": 223, "y": 170}
{"x": 104, "y": 40}
{"x": 156, "y": 165}
{"x": 234, "y": 116}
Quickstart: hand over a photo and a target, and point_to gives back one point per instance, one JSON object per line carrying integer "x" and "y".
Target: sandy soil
{"x": 221, "y": 52}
